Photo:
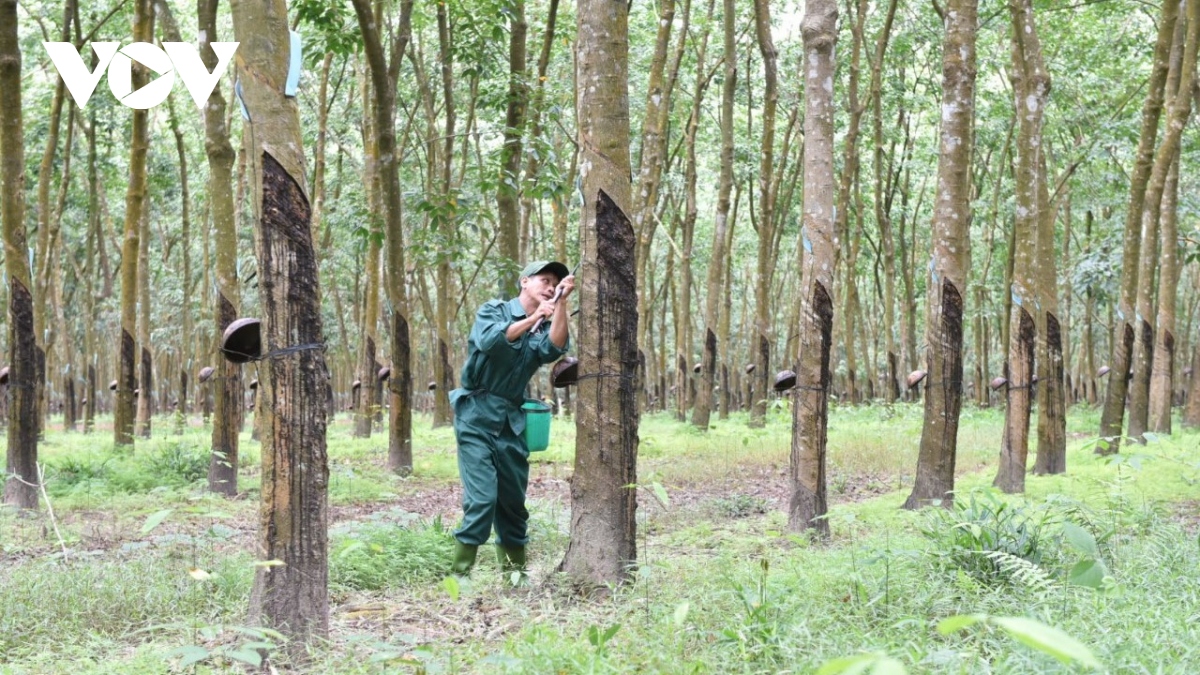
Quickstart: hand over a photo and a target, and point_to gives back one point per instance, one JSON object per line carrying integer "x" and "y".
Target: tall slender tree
{"x": 705, "y": 398}
{"x": 810, "y": 414}
{"x": 510, "y": 152}
{"x": 20, "y": 484}
{"x": 1160, "y": 197}
{"x": 1031, "y": 91}
{"x": 768, "y": 188}
{"x": 293, "y": 529}
{"x": 227, "y": 380}
{"x": 1113, "y": 417}
{"x": 951, "y": 261}
{"x": 135, "y": 203}
{"x": 384, "y": 70}
{"x": 603, "y": 546}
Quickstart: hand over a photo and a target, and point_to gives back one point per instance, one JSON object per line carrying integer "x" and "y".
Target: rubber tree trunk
{"x": 1161, "y": 373}
{"x": 659, "y": 89}
{"x": 48, "y": 228}
{"x": 364, "y": 408}
{"x": 1178, "y": 88}
{"x": 384, "y": 74}
{"x": 706, "y": 397}
{"x": 603, "y": 546}
{"x": 446, "y": 223}
{"x": 135, "y": 198}
{"x": 20, "y": 484}
{"x": 145, "y": 393}
{"x": 292, "y": 597}
{"x": 226, "y": 382}
{"x": 507, "y": 188}
{"x": 1031, "y": 90}
{"x": 1113, "y": 416}
{"x": 1163, "y": 187}
{"x": 93, "y": 242}
{"x": 810, "y": 413}
{"x": 950, "y": 264}
{"x": 1051, "y": 389}
{"x": 761, "y": 335}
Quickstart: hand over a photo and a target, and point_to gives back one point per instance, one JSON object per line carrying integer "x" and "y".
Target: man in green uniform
{"x": 505, "y": 349}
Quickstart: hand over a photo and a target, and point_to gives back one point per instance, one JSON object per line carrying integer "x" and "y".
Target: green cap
{"x": 556, "y": 268}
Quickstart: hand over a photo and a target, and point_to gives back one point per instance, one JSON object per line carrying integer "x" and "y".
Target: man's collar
{"x": 517, "y": 309}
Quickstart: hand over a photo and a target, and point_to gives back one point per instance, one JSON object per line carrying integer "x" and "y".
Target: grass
{"x": 722, "y": 586}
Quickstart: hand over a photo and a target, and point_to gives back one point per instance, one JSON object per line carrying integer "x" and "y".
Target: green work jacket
{"x": 497, "y": 371}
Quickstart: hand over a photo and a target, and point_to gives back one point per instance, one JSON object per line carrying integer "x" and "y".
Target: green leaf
{"x": 847, "y": 665}
{"x": 248, "y": 656}
{"x": 155, "y": 520}
{"x": 1080, "y": 539}
{"x": 661, "y": 493}
{"x": 953, "y": 624}
{"x": 192, "y": 654}
{"x": 450, "y": 583}
{"x": 886, "y": 665}
{"x": 1047, "y": 639}
{"x": 863, "y": 664}
{"x": 1089, "y": 573}
{"x": 681, "y": 613}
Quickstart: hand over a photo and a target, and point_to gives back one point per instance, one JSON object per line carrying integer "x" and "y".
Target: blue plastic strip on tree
{"x": 237, "y": 90}
{"x": 293, "y": 77}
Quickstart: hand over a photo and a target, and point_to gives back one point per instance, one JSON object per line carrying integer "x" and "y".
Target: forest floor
{"x": 141, "y": 571}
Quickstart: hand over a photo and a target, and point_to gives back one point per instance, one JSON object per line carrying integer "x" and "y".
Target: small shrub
{"x": 178, "y": 464}
{"x": 373, "y": 557}
{"x": 75, "y": 470}
{"x": 967, "y": 535}
{"x": 740, "y": 506}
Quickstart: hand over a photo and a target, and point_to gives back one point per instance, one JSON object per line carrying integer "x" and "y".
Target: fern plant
{"x": 983, "y": 534}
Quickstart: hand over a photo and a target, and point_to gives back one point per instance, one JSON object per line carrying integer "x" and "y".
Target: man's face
{"x": 540, "y": 286}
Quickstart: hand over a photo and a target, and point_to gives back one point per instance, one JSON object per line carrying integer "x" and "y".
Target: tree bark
{"x": 226, "y": 382}
{"x": 384, "y": 74}
{"x": 364, "y": 408}
{"x": 508, "y": 186}
{"x": 145, "y": 392}
{"x": 21, "y": 479}
{"x": 1162, "y": 371}
{"x": 1051, "y": 390}
{"x": 659, "y": 90}
{"x": 292, "y": 597}
{"x": 95, "y": 237}
{"x": 716, "y": 267}
{"x": 810, "y": 419}
{"x": 1113, "y": 417}
{"x": 762, "y": 335}
{"x": 1162, "y": 188}
{"x": 951, "y": 262}
{"x": 1031, "y": 90}
{"x": 603, "y": 546}
{"x": 185, "y": 240}
{"x": 135, "y": 197}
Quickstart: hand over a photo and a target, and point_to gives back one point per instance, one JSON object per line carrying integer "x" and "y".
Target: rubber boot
{"x": 464, "y": 558}
{"x": 512, "y": 559}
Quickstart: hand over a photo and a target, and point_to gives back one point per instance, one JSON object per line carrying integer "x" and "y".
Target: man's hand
{"x": 545, "y": 309}
{"x": 565, "y": 287}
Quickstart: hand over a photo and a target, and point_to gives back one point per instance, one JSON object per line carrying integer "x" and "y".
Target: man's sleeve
{"x": 490, "y": 325}
{"x": 545, "y": 348}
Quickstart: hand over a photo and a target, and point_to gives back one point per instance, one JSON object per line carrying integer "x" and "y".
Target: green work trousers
{"x": 495, "y": 473}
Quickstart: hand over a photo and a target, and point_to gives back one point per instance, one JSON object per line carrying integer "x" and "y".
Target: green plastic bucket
{"x": 537, "y": 425}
